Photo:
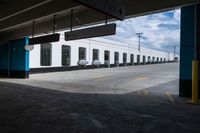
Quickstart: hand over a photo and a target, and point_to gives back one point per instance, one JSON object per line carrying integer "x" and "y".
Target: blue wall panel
{"x": 187, "y": 42}
{"x": 186, "y": 57}
{"x": 18, "y": 55}
{"x": 187, "y": 49}
{"x": 14, "y": 59}
{"x": 3, "y": 56}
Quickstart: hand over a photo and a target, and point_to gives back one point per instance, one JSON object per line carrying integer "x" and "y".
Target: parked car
{"x": 82, "y": 63}
{"x": 96, "y": 63}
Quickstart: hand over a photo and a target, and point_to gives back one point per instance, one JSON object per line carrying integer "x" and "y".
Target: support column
{"x": 14, "y": 59}
{"x": 187, "y": 48}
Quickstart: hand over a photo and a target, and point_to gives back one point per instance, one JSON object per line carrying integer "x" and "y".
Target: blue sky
{"x": 160, "y": 31}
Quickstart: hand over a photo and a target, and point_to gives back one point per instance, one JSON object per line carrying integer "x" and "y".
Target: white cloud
{"x": 161, "y": 31}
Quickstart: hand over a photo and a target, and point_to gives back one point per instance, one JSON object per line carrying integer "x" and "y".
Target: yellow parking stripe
{"x": 140, "y": 78}
{"x": 98, "y": 77}
{"x": 169, "y": 96}
{"x": 138, "y": 92}
{"x": 145, "y": 92}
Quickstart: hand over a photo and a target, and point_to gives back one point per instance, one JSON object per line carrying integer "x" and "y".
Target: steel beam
{"x": 20, "y": 25}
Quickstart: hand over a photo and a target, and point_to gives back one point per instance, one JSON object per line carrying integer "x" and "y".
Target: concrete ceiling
{"x": 16, "y": 17}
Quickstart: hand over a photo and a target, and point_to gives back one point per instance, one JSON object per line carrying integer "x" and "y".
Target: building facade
{"x": 89, "y": 53}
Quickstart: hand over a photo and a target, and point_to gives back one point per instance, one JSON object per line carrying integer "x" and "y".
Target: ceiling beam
{"x": 145, "y": 7}
{"x": 63, "y": 23}
{"x": 37, "y": 13}
{"x": 9, "y": 7}
{"x": 86, "y": 16}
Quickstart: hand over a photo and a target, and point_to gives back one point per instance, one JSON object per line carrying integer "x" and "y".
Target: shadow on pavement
{"x": 26, "y": 109}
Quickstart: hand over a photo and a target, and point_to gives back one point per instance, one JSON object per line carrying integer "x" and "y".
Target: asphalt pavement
{"x": 118, "y": 80}
{"x": 80, "y": 106}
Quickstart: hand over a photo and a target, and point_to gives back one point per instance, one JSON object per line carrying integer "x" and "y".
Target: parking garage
{"x": 45, "y": 103}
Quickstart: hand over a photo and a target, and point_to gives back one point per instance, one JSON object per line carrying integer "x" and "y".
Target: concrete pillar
{"x": 187, "y": 49}
{"x": 14, "y": 59}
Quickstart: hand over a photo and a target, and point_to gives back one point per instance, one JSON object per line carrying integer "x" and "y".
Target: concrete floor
{"x": 120, "y": 80}
{"x": 142, "y": 99}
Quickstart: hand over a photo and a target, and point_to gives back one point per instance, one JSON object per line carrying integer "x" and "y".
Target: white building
{"x": 66, "y": 55}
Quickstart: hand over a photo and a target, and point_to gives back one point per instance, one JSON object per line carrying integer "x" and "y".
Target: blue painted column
{"x": 187, "y": 50}
{"x": 4, "y": 61}
{"x": 14, "y": 59}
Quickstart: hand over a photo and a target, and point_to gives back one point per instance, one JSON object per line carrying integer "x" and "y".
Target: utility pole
{"x": 139, "y": 35}
{"x": 174, "y": 47}
{"x": 167, "y": 55}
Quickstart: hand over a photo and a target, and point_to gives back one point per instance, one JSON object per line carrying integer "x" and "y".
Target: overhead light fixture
{"x": 44, "y": 39}
{"x": 98, "y": 31}
{"x": 55, "y": 37}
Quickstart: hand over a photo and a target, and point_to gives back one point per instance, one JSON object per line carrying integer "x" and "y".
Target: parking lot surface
{"x": 119, "y": 80}
{"x": 72, "y": 102}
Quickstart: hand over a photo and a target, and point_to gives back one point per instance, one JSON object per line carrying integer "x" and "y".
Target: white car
{"x": 96, "y": 62}
{"x": 83, "y": 62}
{"x": 149, "y": 60}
